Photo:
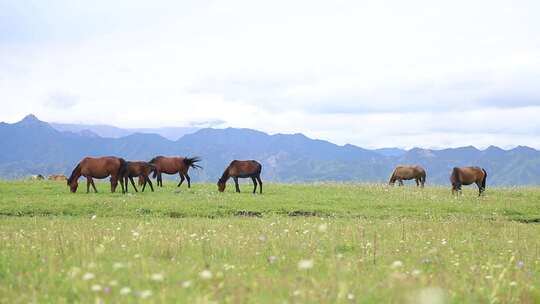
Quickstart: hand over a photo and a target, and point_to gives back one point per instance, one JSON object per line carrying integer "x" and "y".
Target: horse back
{"x": 467, "y": 175}
{"x": 244, "y": 168}
{"x": 100, "y": 167}
{"x": 408, "y": 171}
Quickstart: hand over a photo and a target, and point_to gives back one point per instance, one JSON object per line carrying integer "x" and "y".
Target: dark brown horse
{"x": 139, "y": 169}
{"x": 241, "y": 169}
{"x": 98, "y": 168}
{"x": 173, "y": 165}
{"x": 466, "y": 176}
{"x": 408, "y": 172}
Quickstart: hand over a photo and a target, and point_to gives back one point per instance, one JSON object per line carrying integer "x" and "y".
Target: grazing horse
{"x": 57, "y": 177}
{"x": 242, "y": 169}
{"x": 173, "y": 165}
{"x": 408, "y": 172}
{"x": 466, "y": 176}
{"x": 142, "y": 170}
{"x": 98, "y": 168}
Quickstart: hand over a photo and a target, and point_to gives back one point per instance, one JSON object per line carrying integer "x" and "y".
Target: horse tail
{"x": 122, "y": 170}
{"x": 191, "y": 162}
{"x": 423, "y": 176}
{"x": 259, "y": 167}
{"x": 74, "y": 173}
{"x": 484, "y": 179}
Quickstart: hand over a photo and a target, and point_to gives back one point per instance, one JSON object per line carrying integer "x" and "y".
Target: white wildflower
{"x": 397, "y": 264}
{"x": 205, "y": 274}
{"x": 125, "y": 291}
{"x": 305, "y": 264}
{"x": 145, "y": 294}
{"x": 186, "y": 284}
{"x": 88, "y": 276}
{"x": 157, "y": 277}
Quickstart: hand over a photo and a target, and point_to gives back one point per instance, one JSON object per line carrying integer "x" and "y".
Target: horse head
{"x": 221, "y": 185}
{"x": 73, "y": 184}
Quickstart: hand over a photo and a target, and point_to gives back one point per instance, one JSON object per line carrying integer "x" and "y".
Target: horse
{"x": 98, "y": 168}
{"x": 467, "y": 176}
{"x": 173, "y": 165}
{"x": 408, "y": 172}
{"x": 37, "y": 177}
{"x": 57, "y": 177}
{"x": 142, "y": 170}
{"x": 241, "y": 169}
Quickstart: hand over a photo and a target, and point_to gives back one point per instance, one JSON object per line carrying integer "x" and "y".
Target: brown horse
{"x": 241, "y": 169}
{"x": 142, "y": 170}
{"x": 57, "y": 177}
{"x": 466, "y": 176}
{"x": 98, "y": 168}
{"x": 408, "y": 172}
{"x": 173, "y": 165}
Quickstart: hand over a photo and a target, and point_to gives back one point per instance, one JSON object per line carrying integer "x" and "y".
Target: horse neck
{"x": 225, "y": 176}
{"x": 75, "y": 174}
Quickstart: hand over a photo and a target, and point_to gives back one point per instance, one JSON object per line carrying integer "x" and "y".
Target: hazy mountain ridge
{"x": 171, "y": 133}
{"x": 32, "y": 146}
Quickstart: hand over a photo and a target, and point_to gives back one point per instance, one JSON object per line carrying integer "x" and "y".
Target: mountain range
{"x": 32, "y": 146}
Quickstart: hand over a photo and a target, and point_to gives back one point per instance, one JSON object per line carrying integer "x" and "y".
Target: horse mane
{"x": 393, "y": 176}
{"x": 225, "y": 176}
{"x": 75, "y": 172}
{"x": 153, "y": 160}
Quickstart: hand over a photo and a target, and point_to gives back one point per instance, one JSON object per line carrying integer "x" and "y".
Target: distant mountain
{"x": 32, "y": 146}
{"x": 172, "y": 133}
{"x": 391, "y": 151}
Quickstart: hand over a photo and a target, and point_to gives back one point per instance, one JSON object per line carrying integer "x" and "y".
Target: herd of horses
{"x": 120, "y": 170}
{"x": 123, "y": 171}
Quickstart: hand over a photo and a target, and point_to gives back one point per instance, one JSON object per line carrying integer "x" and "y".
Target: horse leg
{"x": 254, "y": 184}
{"x": 125, "y": 179}
{"x": 88, "y": 179}
{"x": 236, "y": 184}
{"x": 400, "y": 182}
{"x": 181, "y": 179}
{"x": 122, "y": 184}
{"x": 114, "y": 183}
{"x": 160, "y": 180}
{"x": 480, "y": 189}
{"x": 132, "y": 183}
{"x": 93, "y": 185}
{"x": 149, "y": 183}
{"x": 417, "y": 182}
{"x": 188, "y": 181}
{"x": 260, "y": 183}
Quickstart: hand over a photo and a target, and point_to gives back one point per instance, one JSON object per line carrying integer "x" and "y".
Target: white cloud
{"x": 372, "y": 73}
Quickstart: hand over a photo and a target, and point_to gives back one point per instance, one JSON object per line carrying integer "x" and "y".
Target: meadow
{"x": 295, "y": 243}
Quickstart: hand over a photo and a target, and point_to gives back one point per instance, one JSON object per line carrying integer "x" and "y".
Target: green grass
{"x": 366, "y": 243}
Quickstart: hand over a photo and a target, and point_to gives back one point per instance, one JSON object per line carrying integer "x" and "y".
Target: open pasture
{"x": 295, "y": 243}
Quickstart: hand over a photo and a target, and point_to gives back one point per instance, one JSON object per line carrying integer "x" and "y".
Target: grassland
{"x": 296, "y": 243}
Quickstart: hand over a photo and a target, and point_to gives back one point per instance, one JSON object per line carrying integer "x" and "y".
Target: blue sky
{"x": 370, "y": 73}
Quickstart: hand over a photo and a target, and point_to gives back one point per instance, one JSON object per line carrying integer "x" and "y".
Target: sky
{"x": 417, "y": 73}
